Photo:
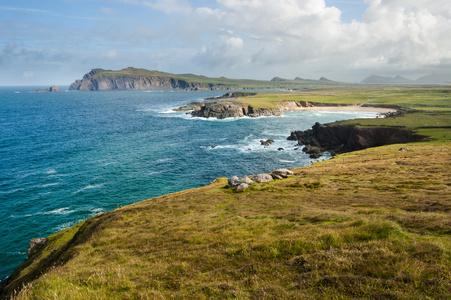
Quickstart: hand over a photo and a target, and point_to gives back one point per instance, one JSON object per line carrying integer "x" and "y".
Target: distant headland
{"x": 53, "y": 88}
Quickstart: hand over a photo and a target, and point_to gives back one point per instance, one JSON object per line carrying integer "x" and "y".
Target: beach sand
{"x": 350, "y": 108}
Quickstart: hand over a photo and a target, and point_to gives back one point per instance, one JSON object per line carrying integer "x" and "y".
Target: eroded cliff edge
{"x": 340, "y": 137}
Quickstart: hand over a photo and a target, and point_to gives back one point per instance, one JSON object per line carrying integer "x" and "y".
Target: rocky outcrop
{"x": 222, "y": 109}
{"x": 137, "y": 79}
{"x": 339, "y": 138}
{"x": 53, "y": 88}
{"x": 35, "y": 244}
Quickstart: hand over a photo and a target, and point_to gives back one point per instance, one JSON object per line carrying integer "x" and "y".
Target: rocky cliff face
{"x": 222, "y": 109}
{"x": 97, "y": 80}
{"x": 339, "y": 138}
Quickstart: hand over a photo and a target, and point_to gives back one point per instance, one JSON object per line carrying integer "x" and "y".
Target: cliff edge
{"x": 338, "y": 138}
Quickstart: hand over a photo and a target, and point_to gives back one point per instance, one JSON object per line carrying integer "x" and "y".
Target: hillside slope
{"x": 373, "y": 224}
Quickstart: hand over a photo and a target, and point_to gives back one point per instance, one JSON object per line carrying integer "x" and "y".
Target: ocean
{"x": 67, "y": 156}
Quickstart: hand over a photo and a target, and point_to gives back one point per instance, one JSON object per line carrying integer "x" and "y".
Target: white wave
{"x": 50, "y": 171}
{"x": 95, "y": 186}
{"x": 59, "y": 211}
{"x": 162, "y": 160}
{"x": 153, "y": 173}
{"x": 49, "y": 184}
{"x": 65, "y": 225}
{"x": 11, "y": 191}
{"x": 287, "y": 161}
{"x": 17, "y": 253}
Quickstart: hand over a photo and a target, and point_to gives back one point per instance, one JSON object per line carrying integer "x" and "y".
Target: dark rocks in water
{"x": 35, "y": 244}
{"x": 53, "y": 88}
{"x": 214, "y": 146}
{"x": 190, "y": 106}
{"x": 267, "y": 142}
{"x": 340, "y": 138}
{"x": 280, "y": 149}
{"x": 314, "y": 151}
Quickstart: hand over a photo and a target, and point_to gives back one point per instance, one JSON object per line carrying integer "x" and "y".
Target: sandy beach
{"x": 350, "y": 108}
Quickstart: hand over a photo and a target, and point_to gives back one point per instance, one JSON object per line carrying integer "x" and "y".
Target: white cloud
{"x": 28, "y": 74}
{"x": 396, "y": 35}
{"x": 167, "y": 6}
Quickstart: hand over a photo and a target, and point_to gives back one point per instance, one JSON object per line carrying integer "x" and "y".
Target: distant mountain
{"x": 434, "y": 79}
{"x": 428, "y": 79}
{"x": 375, "y": 79}
{"x": 278, "y": 79}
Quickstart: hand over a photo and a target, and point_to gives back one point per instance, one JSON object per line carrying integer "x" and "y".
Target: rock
{"x": 36, "y": 244}
{"x": 214, "y": 146}
{"x": 53, "y": 88}
{"x": 274, "y": 176}
{"x": 236, "y": 181}
{"x": 280, "y": 149}
{"x": 284, "y": 173}
{"x": 233, "y": 181}
{"x": 221, "y": 109}
{"x": 242, "y": 186}
{"x": 267, "y": 142}
{"x": 404, "y": 149}
{"x": 262, "y": 178}
{"x": 340, "y": 138}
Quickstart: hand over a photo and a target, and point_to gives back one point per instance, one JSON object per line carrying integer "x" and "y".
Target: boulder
{"x": 274, "y": 176}
{"x": 242, "y": 186}
{"x": 236, "y": 181}
{"x": 284, "y": 173}
{"x": 35, "y": 244}
{"x": 262, "y": 178}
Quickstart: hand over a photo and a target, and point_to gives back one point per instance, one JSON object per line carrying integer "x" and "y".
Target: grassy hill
{"x": 371, "y": 224}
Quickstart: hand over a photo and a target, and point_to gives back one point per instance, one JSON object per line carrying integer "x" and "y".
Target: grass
{"x": 368, "y": 224}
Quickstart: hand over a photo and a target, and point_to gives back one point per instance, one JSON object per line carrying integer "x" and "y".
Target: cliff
{"x": 140, "y": 79}
{"x": 222, "y": 109}
{"x": 340, "y": 138}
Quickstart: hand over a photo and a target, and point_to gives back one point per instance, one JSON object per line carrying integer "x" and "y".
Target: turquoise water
{"x": 70, "y": 155}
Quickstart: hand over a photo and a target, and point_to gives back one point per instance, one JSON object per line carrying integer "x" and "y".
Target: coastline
{"x": 381, "y": 110}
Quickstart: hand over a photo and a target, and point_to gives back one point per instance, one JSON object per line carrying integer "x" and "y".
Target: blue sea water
{"x": 70, "y": 155}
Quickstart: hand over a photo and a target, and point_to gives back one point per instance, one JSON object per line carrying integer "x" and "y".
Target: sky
{"x": 57, "y": 41}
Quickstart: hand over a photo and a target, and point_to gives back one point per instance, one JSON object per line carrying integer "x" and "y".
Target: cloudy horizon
{"x": 56, "y": 42}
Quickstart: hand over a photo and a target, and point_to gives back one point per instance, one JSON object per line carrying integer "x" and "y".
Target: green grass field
{"x": 370, "y": 224}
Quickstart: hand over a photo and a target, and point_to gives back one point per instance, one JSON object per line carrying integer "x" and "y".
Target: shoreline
{"x": 381, "y": 110}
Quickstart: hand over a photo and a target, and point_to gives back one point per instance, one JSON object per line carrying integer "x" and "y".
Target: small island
{"x": 53, "y": 88}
